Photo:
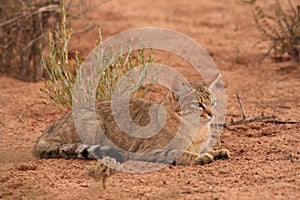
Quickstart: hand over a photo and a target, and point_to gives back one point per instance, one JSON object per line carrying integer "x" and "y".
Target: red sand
{"x": 265, "y": 161}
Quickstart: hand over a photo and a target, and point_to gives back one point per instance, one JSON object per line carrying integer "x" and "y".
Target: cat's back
{"x": 109, "y": 117}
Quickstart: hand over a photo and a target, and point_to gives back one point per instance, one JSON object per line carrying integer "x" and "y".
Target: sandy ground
{"x": 265, "y": 161}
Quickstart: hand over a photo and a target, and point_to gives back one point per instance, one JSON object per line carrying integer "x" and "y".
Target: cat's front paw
{"x": 189, "y": 158}
{"x": 203, "y": 159}
{"x": 220, "y": 154}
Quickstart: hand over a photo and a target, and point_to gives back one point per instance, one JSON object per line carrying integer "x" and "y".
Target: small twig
{"x": 10, "y": 21}
{"x": 23, "y": 3}
{"x": 244, "y": 121}
{"x": 86, "y": 29}
{"x": 251, "y": 2}
{"x": 32, "y": 42}
{"x": 28, "y": 106}
{"x": 267, "y": 54}
{"x": 241, "y": 106}
{"x": 281, "y": 122}
{"x": 253, "y": 119}
{"x": 49, "y": 8}
{"x": 21, "y": 115}
{"x": 6, "y": 45}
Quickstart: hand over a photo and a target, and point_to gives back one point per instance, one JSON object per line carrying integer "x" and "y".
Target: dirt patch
{"x": 265, "y": 161}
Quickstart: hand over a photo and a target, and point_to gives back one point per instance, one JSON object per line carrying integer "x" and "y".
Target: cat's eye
{"x": 199, "y": 105}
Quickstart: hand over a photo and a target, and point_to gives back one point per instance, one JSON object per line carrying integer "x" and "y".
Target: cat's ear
{"x": 213, "y": 80}
{"x": 179, "y": 88}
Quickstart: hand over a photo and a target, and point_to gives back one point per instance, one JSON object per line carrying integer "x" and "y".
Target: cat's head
{"x": 197, "y": 97}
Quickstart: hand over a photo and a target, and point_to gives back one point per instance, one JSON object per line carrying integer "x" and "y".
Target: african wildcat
{"x": 62, "y": 141}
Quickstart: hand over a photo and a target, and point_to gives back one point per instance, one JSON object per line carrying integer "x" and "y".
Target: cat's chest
{"x": 201, "y": 139}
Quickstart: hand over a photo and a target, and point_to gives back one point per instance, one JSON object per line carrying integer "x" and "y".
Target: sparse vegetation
{"x": 23, "y": 25}
{"x": 62, "y": 70}
{"x": 282, "y": 29}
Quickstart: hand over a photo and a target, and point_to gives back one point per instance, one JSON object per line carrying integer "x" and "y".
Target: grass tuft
{"x": 62, "y": 69}
{"x": 282, "y": 29}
